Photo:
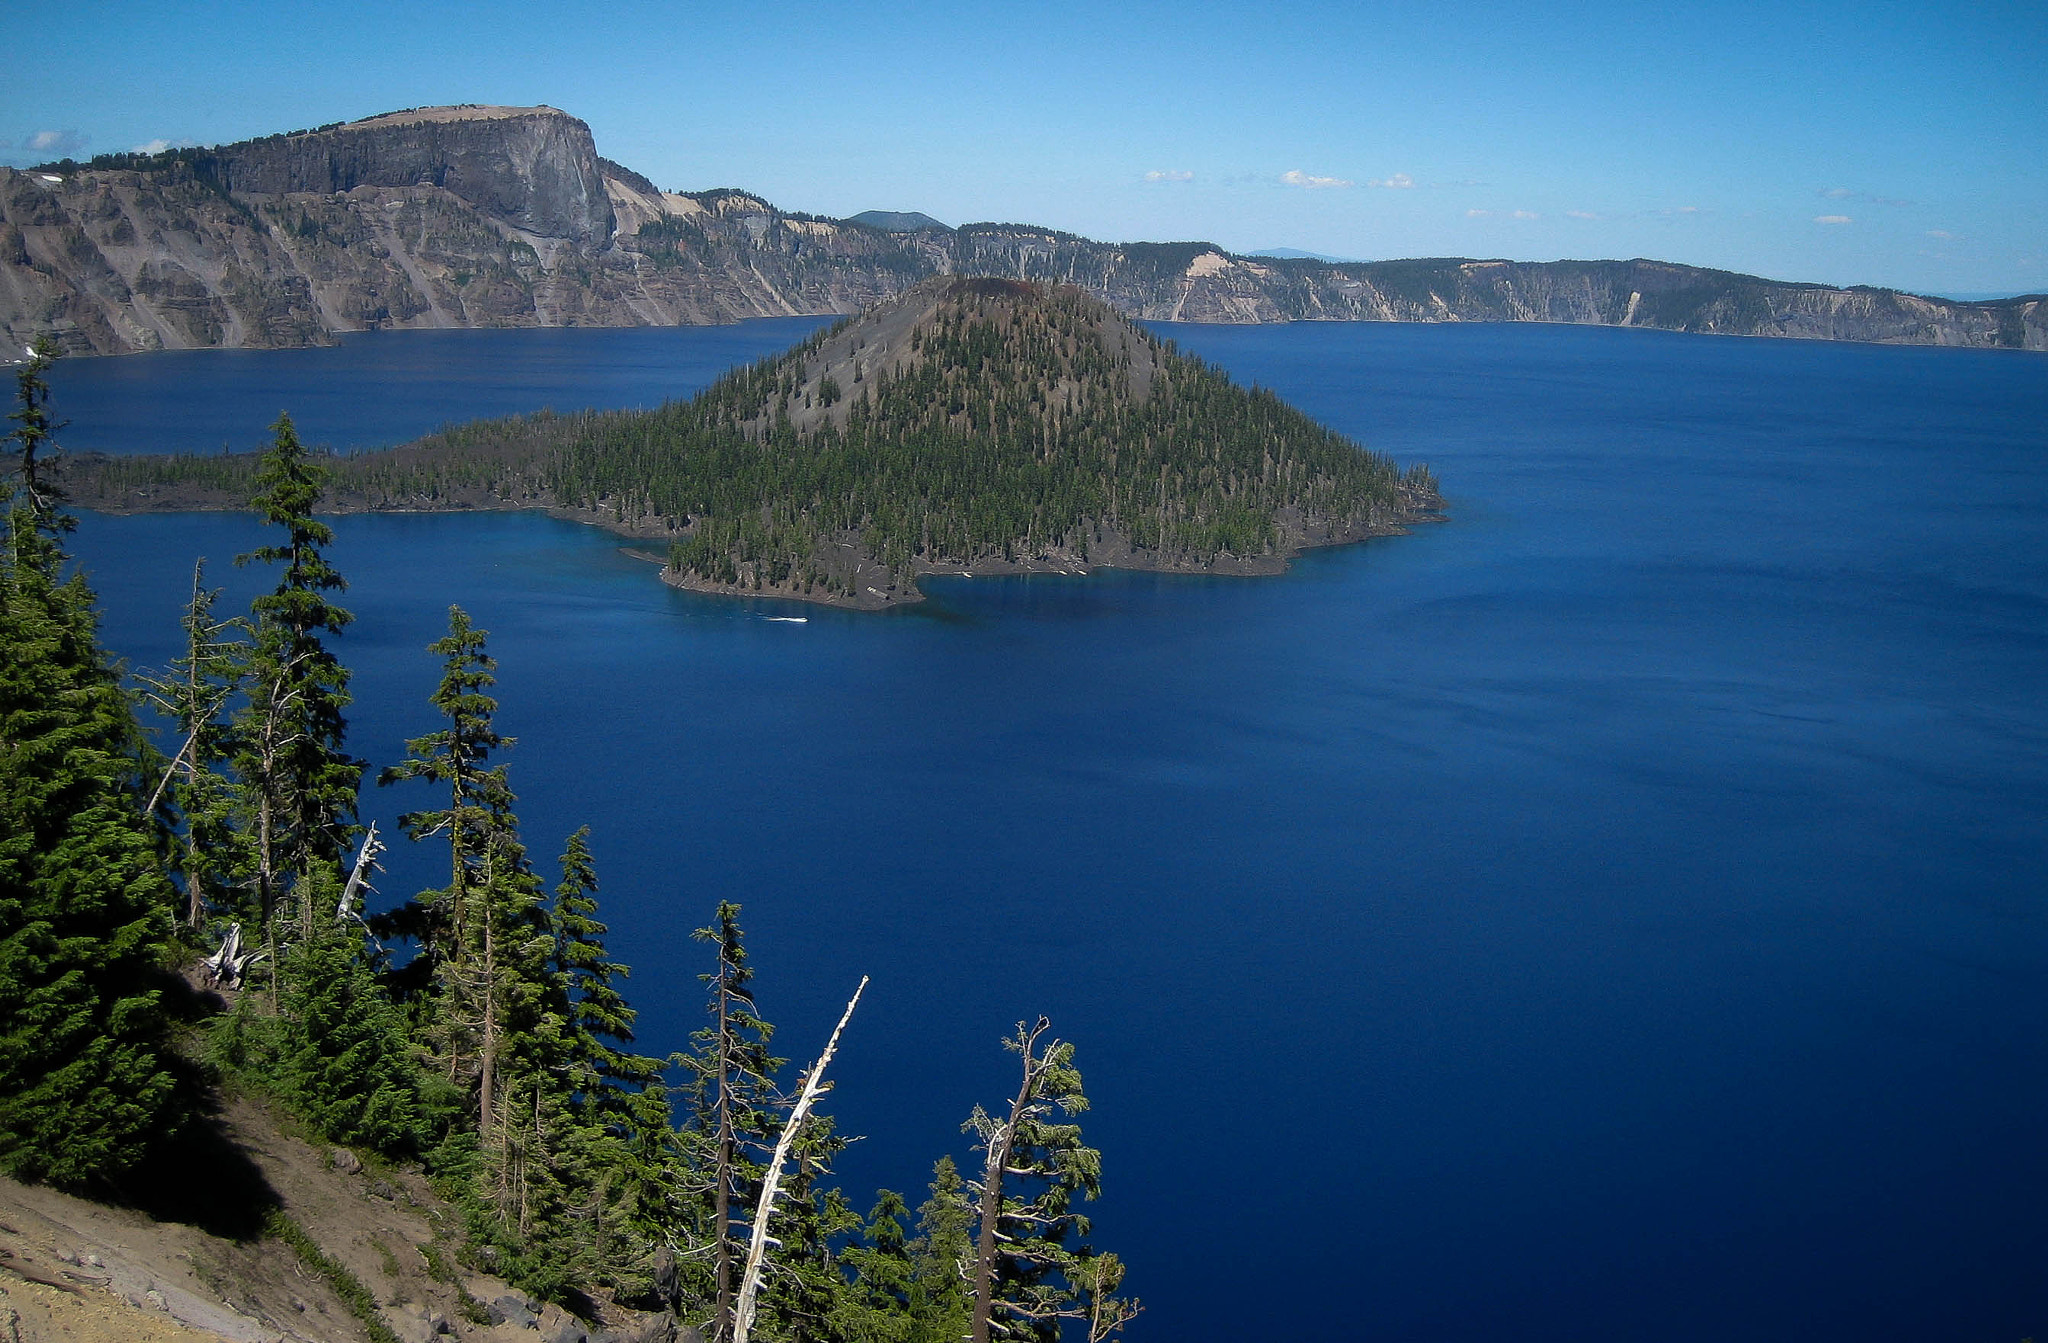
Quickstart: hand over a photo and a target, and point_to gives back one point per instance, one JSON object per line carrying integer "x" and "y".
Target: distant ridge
{"x": 897, "y": 221}
{"x": 1296, "y": 254}
{"x": 507, "y": 217}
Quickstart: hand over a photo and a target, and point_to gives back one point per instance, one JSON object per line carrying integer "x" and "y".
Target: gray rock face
{"x": 512, "y": 1310}
{"x": 534, "y": 168}
{"x": 507, "y": 217}
{"x": 559, "y": 1326}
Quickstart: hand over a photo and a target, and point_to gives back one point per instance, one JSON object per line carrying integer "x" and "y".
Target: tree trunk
{"x": 266, "y": 893}
{"x": 992, "y": 1190}
{"x": 490, "y": 1048}
{"x": 721, "y": 1199}
{"x": 194, "y": 904}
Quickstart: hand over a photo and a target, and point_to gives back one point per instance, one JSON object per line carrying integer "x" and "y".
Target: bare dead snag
{"x": 814, "y": 1086}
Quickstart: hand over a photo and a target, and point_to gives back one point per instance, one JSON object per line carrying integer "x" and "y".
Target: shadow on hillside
{"x": 200, "y": 1177}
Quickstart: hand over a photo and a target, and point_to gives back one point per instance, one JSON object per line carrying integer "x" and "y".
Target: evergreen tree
{"x": 732, "y": 1095}
{"x": 621, "y": 1122}
{"x": 84, "y": 904}
{"x": 1027, "y": 1277}
{"x": 603, "y": 1074}
{"x": 877, "y": 1309}
{"x": 906, "y": 1290}
{"x": 345, "y": 1065}
{"x": 942, "y": 1257}
{"x": 299, "y": 781}
{"x": 455, "y": 757}
{"x": 34, "y": 450}
{"x": 194, "y": 694}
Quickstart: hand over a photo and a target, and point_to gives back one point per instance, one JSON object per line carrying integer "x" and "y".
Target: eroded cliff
{"x": 497, "y": 216}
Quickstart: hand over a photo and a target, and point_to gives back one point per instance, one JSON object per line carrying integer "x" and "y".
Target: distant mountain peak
{"x": 898, "y": 221}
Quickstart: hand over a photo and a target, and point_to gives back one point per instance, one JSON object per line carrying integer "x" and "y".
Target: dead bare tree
{"x": 267, "y": 738}
{"x": 814, "y": 1086}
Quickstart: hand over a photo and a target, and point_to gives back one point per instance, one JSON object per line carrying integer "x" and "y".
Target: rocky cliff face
{"x": 532, "y": 168}
{"x": 490, "y": 216}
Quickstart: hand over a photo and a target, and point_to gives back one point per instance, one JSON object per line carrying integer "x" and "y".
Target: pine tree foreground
{"x": 85, "y": 908}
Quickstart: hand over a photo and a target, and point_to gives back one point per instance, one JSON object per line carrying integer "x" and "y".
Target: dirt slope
{"x": 187, "y": 1257}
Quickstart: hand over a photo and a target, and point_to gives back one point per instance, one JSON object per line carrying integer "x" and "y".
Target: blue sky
{"x": 1875, "y": 143}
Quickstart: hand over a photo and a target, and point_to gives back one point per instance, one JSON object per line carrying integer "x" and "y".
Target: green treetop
{"x": 301, "y": 783}
{"x": 85, "y": 906}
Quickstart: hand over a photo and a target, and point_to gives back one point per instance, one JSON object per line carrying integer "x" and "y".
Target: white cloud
{"x": 1846, "y": 194}
{"x": 56, "y": 142}
{"x": 1832, "y": 219}
{"x": 1295, "y": 177}
{"x": 1526, "y": 214}
{"x": 1941, "y": 233}
{"x": 1399, "y": 182}
{"x": 1580, "y": 214}
{"x": 1477, "y": 214}
{"x": 1160, "y": 175}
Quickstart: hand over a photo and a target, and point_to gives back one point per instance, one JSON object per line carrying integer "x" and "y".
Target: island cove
{"x": 968, "y": 426}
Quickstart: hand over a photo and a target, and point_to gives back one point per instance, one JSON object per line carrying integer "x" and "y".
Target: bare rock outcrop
{"x": 532, "y": 167}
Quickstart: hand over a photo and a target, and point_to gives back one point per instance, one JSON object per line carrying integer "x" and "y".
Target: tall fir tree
{"x": 302, "y": 782}
{"x": 85, "y": 907}
{"x": 942, "y": 1258}
{"x": 732, "y": 1099}
{"x": 603, "y": 1071}
{"x": 1027, "y": 1274}
{"x": 609, "y": 1148}
{"x": 32, "y": 446}
{"x": 488, "y": 992}
{"x": 194, "y": 693}
{"x": 454, "y": 757}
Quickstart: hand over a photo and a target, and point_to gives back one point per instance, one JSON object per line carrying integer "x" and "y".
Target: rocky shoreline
{"x": 885, "y": 593}
{"x": 876, "y": 587}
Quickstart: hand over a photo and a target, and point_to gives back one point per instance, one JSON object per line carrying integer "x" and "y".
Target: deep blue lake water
{"x": 1615, "y": 913}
